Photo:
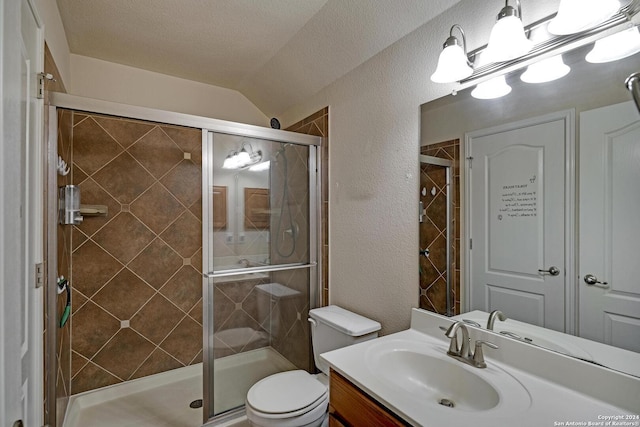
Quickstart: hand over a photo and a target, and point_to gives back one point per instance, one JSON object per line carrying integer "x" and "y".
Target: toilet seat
{"x": 287, "y": 392}
{"x": 293, "y": 398}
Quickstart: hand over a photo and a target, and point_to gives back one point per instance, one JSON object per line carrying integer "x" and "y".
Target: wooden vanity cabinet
{"x": 350, "y": 407}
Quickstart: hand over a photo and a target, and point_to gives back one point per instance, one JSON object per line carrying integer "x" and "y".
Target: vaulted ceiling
{"x": 275, "y": 52}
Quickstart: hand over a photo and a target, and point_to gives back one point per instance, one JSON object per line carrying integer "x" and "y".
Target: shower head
{"x": 282, "y": 149}
{"x": 633, "y": 84}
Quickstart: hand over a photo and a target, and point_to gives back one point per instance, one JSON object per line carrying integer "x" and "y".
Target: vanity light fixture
{"x": 231, "y": 161}
{"x": 508, "y": 39}
{"x": 497, "y": 87}
{"x": 243, "y": 158}
{"x": 575, "y": 16}
{"x": 616, "y": 46}
{"x": 453, "y": 62}
{"x": 258, "y": 167}
{"x": 546, "y": 70}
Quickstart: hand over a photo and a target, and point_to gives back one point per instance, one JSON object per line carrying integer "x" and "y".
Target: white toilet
{"x": 297, "y": 398}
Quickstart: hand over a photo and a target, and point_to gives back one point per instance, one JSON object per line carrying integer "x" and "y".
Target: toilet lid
{"x": 285, "y": 392}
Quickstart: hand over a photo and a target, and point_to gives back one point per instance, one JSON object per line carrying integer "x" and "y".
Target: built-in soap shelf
{"x": 94, "y": 210}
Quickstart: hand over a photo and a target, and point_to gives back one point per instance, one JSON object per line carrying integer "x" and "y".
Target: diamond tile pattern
{"x": 124, "y": 237}
{"x": 433, "y": 286}
{"x": 142, "y": 263}
{"x": 130, "y": 265}
{"x": 318, "y": 124}
{"x": 92, "y": 146}
{"x": 124, "y": 178}
{"x": 157, "y": 152}
{"x": 162, "y": 271}
{"x": 157, "y": 208}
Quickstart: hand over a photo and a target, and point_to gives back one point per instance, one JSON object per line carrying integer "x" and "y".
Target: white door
{"x": 22, "y": 216}
{"x": 517, "y": 198}
{"x": 609, "y": 309}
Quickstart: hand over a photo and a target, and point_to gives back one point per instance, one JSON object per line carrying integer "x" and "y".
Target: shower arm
{"x": 633, "y": 84}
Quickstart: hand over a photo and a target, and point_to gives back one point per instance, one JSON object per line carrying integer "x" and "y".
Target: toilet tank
{"x": 333, "y": 327}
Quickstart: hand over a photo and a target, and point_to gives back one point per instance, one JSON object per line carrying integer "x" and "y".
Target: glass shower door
{"x": 261, "y": 226}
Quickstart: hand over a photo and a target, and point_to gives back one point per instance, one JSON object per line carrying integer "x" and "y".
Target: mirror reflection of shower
{"x": 633, "y": 84}
{"x": 287, "y": 230}
{"x": 435, "y": 217}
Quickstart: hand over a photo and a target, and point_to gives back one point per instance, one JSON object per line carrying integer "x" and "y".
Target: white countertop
{"x": 560, "y": 389}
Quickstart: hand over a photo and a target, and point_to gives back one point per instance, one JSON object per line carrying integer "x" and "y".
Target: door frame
{"x": 571, "y": 282}
{"x": 21, "y": 400}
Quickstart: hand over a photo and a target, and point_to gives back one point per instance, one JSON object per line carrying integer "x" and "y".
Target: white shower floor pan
{"x": 162, "y": 400}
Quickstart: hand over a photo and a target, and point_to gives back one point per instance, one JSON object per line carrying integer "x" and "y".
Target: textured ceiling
{"x": 275, "y": 52}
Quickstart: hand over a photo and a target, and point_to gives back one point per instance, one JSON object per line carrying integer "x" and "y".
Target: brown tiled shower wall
{"x": 137, "y": 286}
{"x": 433, "y": 292}
{"x": 318, "y": 124}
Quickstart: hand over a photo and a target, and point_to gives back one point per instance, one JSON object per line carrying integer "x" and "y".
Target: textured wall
{"x": 137, "y": 300}
{"x": 93, "y": 78}
{"x": 375, "y": 134}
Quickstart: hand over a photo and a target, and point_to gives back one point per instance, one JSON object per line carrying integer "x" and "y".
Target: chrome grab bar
{"x": 239, "y": 271}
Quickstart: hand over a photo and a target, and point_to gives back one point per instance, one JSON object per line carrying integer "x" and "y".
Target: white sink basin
{"x": 424, "y": 372}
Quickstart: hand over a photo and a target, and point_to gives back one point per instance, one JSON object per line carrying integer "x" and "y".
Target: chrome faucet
{"x": 492, "y": 318}
{"x": 452, "y": 333}
{"x": 463, "y": 353}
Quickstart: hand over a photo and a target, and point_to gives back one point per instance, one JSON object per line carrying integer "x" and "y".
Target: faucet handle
{"x": 478, "y": 355}
{"x": 511, "y": 335}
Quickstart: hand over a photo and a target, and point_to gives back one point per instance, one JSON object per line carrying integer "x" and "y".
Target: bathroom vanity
{"x": 408, "y": 378}
{"x": 350, "y": 406}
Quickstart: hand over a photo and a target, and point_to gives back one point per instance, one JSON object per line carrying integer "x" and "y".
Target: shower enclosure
{"x": 435, "y": 217}
{"x": 260, "y": 226}
{"x": 185, "y": 194}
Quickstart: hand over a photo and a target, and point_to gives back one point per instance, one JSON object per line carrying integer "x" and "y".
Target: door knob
{"x": 553, "y": 270}
{"x": 592, "y": 280}
{"x": 424, "y": 252}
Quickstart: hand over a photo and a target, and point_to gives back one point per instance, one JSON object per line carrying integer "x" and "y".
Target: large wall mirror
{"x": 545, "y": 224}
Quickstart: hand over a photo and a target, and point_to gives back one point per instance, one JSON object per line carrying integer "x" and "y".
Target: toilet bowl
{"x": 301, "y": 400}
{"x": 298, "y": 398}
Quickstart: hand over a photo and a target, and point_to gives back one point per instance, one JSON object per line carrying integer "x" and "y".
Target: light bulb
{"x": 546, "y": 70}
{"x": 231, "y": 161}
{"x": 507, "y": 40}
{"x": 243, "y": 158}
{"x": 497, "y": 87}
{"x": 616, "y": 46}
{"x": 575, "y": 16}
{"x": 452, "y": 65}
